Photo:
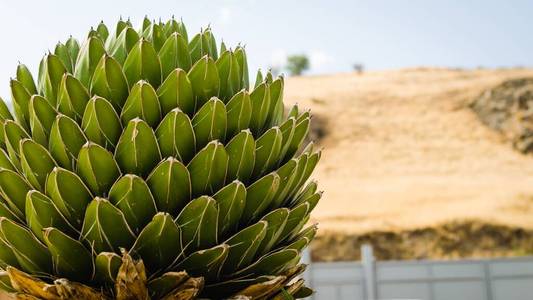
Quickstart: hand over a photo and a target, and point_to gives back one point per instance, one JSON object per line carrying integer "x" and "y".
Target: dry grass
{"x": 404, "y": 152}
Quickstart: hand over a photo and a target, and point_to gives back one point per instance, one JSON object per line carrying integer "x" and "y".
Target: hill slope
{"x": 403, "y": 151}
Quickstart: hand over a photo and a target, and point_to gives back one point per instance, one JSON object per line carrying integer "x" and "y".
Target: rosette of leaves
{"x": 141, "y": 164}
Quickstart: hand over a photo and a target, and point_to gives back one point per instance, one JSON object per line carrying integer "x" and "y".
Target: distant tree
{"x": 359, "y": 68}
{"x": 297, "y": 64}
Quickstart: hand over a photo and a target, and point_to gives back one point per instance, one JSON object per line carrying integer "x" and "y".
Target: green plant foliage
{"x": 142, "y": 164}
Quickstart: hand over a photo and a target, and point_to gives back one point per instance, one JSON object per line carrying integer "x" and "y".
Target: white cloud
{"x": 320, "y": 59}
{"x": 224, "y": 15}
{"x": 278, "y": 58}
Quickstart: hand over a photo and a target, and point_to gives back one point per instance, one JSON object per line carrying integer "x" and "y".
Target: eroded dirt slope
{"x": 403, "y": 151}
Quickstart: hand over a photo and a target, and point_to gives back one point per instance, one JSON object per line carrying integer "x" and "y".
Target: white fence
{"x": 484, "y": 279}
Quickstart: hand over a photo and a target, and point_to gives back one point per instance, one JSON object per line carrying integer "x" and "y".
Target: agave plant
{"x": 143, "y": 165}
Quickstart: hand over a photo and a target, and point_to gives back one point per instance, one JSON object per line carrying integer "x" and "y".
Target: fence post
{"x": 308, "y": 274}
{"x": 369, "y": 272}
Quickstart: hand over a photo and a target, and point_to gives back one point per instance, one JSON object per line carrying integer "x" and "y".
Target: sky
{"x": 335, "y": 35}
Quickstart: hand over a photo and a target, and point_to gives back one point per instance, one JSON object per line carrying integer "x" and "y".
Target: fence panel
{"x": 496, "y": 279}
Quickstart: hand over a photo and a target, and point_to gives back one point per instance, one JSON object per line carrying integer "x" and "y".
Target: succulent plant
{"x": 142, "y": 165}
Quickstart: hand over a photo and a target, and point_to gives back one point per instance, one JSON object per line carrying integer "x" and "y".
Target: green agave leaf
{"x": 230, "y": 200}
{"x": 297, "y": 216}
{"x": 309, "y": 190}
{"x": 155, "y": 34}
{"x": 207, "y": 263}
{"x": 69, "y": 195}
{"x": 110, "y": 82}
{"x": 203, "y": 44}
{"x": 41, "y": 213}
{"x": 269, "y": 78}
{"x": 258, "y": 79}
{"x": 198, "y": 222}
{"x": 31, "y": 255}
{"x": 93, "y": 33}
{"x": 26, "y": 79}
{"x": 233, "y": 286}
{"x": 133, "y": 197}
{"x": 2, "y": 136}
{"x": 89, "y": 55}
{"x": 61, "y": 51}
{"x": 14, "y": 133}
{"x": 51, "y": 71}
{"x": 312, "y": 161}
{"x": 143, "y": 63}
{"x": 243, "y": 247}
{"x": 277, "y": 108}
{"x": 42, "y": 115}
{"x": 174, "y": 54}
{"x": 5, "y": 283}
{"x": 137, "y": 151}
{"x": 73, "y": 48}
{"x": 239, "y": 110}
{"x": 176, "y": 91}
{"x": 240, "y": 56}
{"x": 276, "y": 219}
{"x": 7, "y": 257}
{"x": 170, "y": 185}
{"x": 102, "y": 31}
{"x": 97, "y": 168}
{"x": 70, "y": 257}
{"x": 65, "y": 142}
{"x": 105, "y": 227}
{"x": 122, "y": 45}
{"x": 267, "y": 150}
{"x": 223, "y": 47}
{"x": 293, "y": 185}
{"x": 300, "y": 132}
{"x": 209, "y": 123}
{"x": 259, "y": 196}
{"x": 293, "y": 112}
{"x": 175, "y": 136}
{"x": 208, "y": 169}
{"x": 241, "y": 156}
{"x": 308, "y": 233}
{"x": 161, "y": 286}
{"x": 72, "y": 97}
{"x": 5, "y": 114}
{"x": 260, "y": 98}
{"x": 106, "y": 265}
{"x": 142, "y": 103}
{"x": 229, "y": 74}
{"x": 298, "y": 245}
{"x": 36, "y": 163}
{"x": 270, "y": 264}
{"x": 159, "y": 243}
{"x": 204, "y": 80}
{"x": 7, "y": 212}
{"x": 287, "y": 177}
{"x": 209, "y": 39}
{"x": 20, "y": 99}
{"x": 5, "y": 161}
{"x": 287, "y": 132}
{"x": 175, "y": 26}
{"x": 101, "y": 123}
{"x": 13, "y": 189}
{"x": 306, "y": 166}
{"x": 121, "y": 25}
{"x": 195, "y": 47}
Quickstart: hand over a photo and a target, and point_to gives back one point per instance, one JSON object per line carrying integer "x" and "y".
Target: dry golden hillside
{"x": 404, "y": 154}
